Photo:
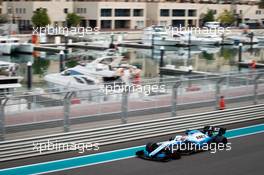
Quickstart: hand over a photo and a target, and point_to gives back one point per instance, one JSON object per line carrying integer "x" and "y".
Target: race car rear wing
{"x": 214, "y": 129}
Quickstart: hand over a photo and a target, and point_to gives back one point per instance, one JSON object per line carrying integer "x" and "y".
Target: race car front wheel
{"x": 140, "y": 153}
{"x": 151, "y": 147}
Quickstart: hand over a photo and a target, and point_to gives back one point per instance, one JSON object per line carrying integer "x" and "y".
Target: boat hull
{"x": 8, "y": 48}
{"x": 25, "y": 48}
{"x": 162, "y": 42}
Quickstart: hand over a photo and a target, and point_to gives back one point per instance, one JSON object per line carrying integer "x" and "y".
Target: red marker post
{"x": 222, "y": 103}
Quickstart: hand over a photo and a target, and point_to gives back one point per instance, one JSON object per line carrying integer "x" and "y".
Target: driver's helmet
{"x": 180, "y": 138}
{"x": 184, "y": 138}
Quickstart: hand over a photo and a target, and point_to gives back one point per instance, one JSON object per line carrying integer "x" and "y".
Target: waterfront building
{"x": 129, "y": 14}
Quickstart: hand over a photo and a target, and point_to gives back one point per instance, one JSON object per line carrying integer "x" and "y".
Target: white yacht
{"x": 183, "y": 53}
{"x": 102, "y": 70}
{"x": 10, "y": 82}
{"x": 7, "y": 66}
{"x": 25, "y": 48}
{"x": 197, "y": 40}
{"x": 210, "y": 49}
{"x": 260, "y": 38}
{"x": 8, "y": 45}
{"x": 88, "y": 75}
{"x": 8, "y": 78}
{"x": 104, "y": 67}
{"x": 160, "y": 37}
{"x": 210, "y": 39}
{"x": 243, "y": 38}
{"x": 73, "y": 79}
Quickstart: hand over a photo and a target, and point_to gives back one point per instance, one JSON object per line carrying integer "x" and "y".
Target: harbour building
{"x": 130, "y": 14}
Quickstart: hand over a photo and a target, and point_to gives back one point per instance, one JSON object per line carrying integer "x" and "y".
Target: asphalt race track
{"x": 245, "y": 158}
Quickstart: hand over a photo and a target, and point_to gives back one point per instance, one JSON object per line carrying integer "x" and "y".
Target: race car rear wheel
{"x": 176, "y": 155}
{"x": 220, "y": 139}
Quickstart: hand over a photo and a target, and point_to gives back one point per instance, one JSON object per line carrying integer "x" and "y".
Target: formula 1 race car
{"x": 193, "y": 141}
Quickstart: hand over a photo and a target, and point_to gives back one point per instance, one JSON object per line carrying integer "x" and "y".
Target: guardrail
{"x": 57, "y": 106}
{"x": 23, "y": 148}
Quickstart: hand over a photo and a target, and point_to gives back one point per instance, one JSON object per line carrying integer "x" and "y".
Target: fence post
{"x": 240, "y": 45}
{"x": 255, "y": 102}
{"x": 218, "y": 91}
{"x": 161, "y": 56}
{"x": 62, "y": 55}
{"x": 66, "y": 111}
{"x": 152, "y": 45}
{"x": 29, "y": 75}
{"x": 3, "y": 102}
{"x": 174, "y": 98}
{"x": 124, "y": 106}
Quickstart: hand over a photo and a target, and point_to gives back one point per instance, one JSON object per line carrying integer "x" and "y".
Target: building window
{"x": 258, "y": 12}
{"x": 164, "y": 12}
{"x": 178, "y": 12}
{"x": 163, "y": 23}
{"x": 122, "y": 12}
{"x": 214, "y": 12}
{"x": 124, "y": 24}
{"x": 139, "y": 24}
{"x": 106, "y": 24}
{"x": 106, "y": 12}
{"x": 178, "y": 23}
{"x": 240, "y": 12}
{"x": 191, "y": 12}
{"x": 20, "y": 10}
{"x": 65, "y": 10}
{"x": 81, "y": 10}
{"x": 138, "y": 12}
{"x": 9, "y": 11}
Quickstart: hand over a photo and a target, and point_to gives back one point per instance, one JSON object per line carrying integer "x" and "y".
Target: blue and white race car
{"x": 193, "y": 141}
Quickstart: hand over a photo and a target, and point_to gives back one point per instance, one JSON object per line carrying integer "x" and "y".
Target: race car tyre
{"x": 176, "y": 155}
{"x": 220, "y": 139}
{"x": 140, "y": 153}
{"x": 167, "y": 157}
